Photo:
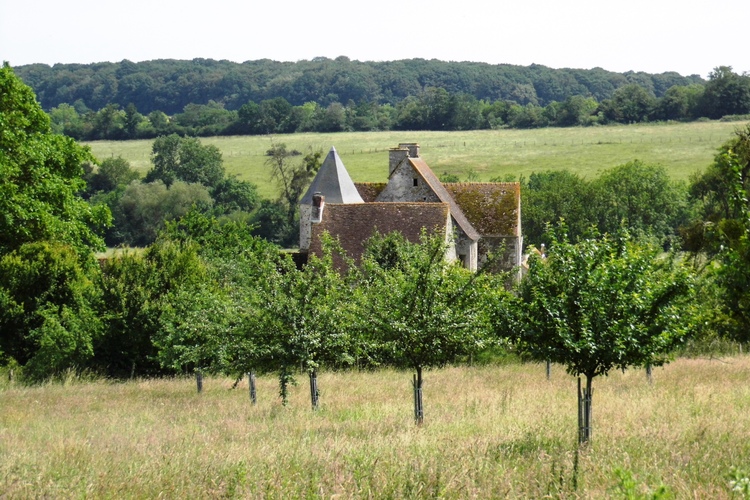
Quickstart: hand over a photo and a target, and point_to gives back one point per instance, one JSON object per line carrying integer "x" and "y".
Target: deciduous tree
{"x": 420, "y": 310}
{"x": 41, "y": 176}
{"x": 602, "y": 303}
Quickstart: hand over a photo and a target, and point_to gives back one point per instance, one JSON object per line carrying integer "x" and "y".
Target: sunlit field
{"x": 490, "y": 432}
{"x": 682, "y": 148}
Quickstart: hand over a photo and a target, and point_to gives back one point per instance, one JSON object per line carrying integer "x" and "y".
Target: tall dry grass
{"x": 490, "y": 432}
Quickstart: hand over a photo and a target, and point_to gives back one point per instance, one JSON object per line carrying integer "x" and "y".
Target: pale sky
{"x": 689, "y": 37}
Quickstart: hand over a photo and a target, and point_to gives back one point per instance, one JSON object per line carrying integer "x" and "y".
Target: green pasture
{"x": 682, "y": 148}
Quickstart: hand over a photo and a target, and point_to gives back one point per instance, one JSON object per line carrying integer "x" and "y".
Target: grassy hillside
{"x": 490, "y": 432}
{"x": 682, "y": 148}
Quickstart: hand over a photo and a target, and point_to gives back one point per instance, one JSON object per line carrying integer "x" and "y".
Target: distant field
{"x": 682, "y": 148}
{"x": 490, "y": 432}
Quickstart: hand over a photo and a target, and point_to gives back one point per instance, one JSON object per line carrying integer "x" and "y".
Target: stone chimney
{"x": 396, "y": 156}
{"x": 413, "y": 148}
{"x": 319, "y": 201}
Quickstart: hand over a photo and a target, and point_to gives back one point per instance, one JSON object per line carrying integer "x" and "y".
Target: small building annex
{"x": 477, "y": 219}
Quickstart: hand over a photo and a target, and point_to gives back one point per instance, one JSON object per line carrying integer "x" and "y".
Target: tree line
{"x": 205, "y": 98}
{"x": 726, "y": 94}
{"x": 209, "y": 295}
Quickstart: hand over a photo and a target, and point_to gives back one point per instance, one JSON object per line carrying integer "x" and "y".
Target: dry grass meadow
{"x": 682, "y": 148}
{"x": 490, "y": 432}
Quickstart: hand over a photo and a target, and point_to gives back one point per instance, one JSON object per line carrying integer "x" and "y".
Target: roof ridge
{"x": 442, "y": 193}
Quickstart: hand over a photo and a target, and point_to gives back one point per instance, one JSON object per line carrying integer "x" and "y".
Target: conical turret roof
{"x": 333, "y": 182}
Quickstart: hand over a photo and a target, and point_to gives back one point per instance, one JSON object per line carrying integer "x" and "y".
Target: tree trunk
{"x": 418, "y": 406}
{"x": 314, "y": 394}
{"x": 199, "y": 381}
{"x": 251, "y": 384}
{"x": 584, "y": 411}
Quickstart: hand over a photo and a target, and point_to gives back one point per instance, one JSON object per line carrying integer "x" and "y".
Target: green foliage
{"x": 605, "y": 302}
{"x": 48, "y": 316}
{"x": 420, "y": 310}
{"x": 629, "y": 104}
{"x": 41, "y": 175}
{"x": 641, "y": 195}
{"x": 185, "y": 159}
{"x": 208, "y": 98}
{"x": 138, "y": 290}
{"x": 113, "y": 173}
{"x": 726, "y": 93}
{"x": 217, "y": 325}
{"x": 144, "y": 208}
{"x": 307, "y": 315}
{"x": 291, "y": 179}
{"x": 550, "y": 196}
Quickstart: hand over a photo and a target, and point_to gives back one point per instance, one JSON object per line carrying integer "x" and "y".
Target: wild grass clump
{"x": 493, "y": 431}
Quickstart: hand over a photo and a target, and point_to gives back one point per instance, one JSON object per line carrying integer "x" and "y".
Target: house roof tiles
{"x": 354, "y": 224}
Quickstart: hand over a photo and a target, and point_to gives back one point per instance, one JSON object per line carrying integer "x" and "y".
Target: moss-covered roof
{"x": 421, "y": 167}
{"x": 493, "y": 208}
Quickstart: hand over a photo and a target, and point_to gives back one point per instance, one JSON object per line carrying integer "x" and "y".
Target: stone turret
{"x": 332, "y": 184}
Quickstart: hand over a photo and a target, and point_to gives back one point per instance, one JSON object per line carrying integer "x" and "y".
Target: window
{"x": 416, "y": 182}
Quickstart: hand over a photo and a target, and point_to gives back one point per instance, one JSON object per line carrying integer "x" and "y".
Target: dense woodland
{"x": 639, "y": 267}
{"x": 204, "y": 97}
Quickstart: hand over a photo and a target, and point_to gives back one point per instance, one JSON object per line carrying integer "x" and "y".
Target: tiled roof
{"x": 421, "y": 167}
{"x": 354, "y": 224}
{"x": 369, "y": 191}
{"x": 493, "y": 208}
{"x": 333, "y": 182}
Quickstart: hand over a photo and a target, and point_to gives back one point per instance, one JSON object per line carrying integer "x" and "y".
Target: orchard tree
{"x": 307, "y": 313}
{"x": 421, "y": 310}
{"x": 222, "y": 323}
{"x": 41, "y": 176}
{"x": 605, "y": 302}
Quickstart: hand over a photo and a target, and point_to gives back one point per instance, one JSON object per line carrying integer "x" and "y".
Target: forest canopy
{"x": 203, "y": 97}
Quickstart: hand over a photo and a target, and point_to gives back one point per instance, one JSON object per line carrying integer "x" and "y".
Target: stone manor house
{"x": 476, "y": 218}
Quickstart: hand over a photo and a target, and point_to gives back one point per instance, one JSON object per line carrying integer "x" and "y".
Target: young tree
{"x": 602, "y": 303}
{"x": 306, "y": 312}
{"x": 421, "y": 310}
